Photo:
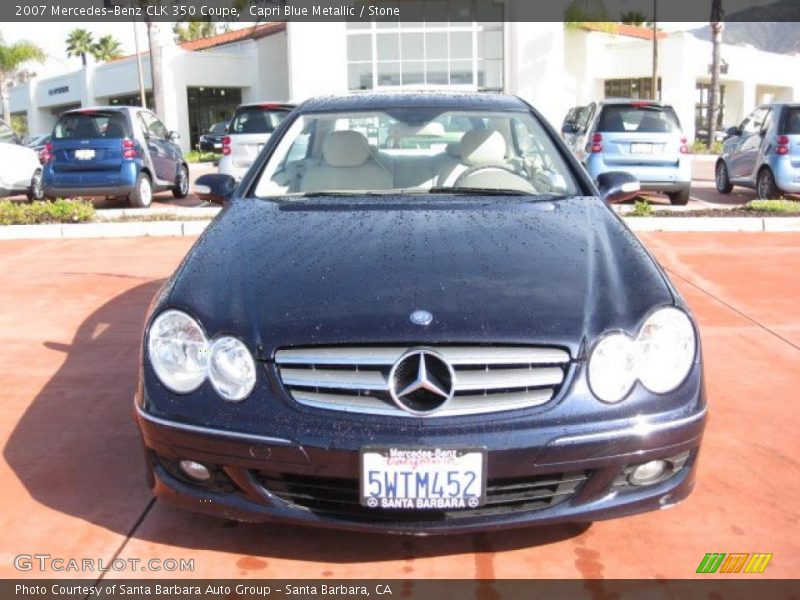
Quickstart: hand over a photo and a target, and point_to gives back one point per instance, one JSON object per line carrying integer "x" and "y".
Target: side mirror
{"x": 732, "y": 131}
{"x": 617, "y": 186}
{"x": 174, "y": 136}
{"x": 569, "y": 128}
{"x": 215, "y": 187}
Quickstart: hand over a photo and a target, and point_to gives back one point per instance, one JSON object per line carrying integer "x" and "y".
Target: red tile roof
{"x": 256, "y": 32}
{"x": 229, "y": 37}
{"x": 635, "y": 31}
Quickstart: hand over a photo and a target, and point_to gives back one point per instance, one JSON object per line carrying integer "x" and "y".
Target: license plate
{"x": 423, "y": 478}
{"x": 217, "y": 145}
{"x": 84, "y": 154}
{"x": 641, "y": 148}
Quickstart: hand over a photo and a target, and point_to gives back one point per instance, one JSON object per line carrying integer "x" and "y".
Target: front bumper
{"x": 658, "y": 178}
{"x": 244, "y": 464}
{"x": 787, "y": 173}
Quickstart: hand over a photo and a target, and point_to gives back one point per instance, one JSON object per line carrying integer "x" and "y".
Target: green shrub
{"x": 773, "y": 206}
{"x": 641, "y": 208}
{"x": 57, "y": 211}
{"x": 197, "y": 157}
{"x": 700, "y": 147}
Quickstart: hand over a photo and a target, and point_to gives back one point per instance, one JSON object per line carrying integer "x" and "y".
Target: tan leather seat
{"x": 347, "y": 164}
{"x": 477, "y": 147}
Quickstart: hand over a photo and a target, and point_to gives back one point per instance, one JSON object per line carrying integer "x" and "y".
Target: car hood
{"x": 494, "y": 270}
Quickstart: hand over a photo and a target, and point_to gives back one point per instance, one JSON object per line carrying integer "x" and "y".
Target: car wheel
{"x": 679, "y": 198}
{"x": 765, "y": 186}
{"x": 36, "y": 191}
{"x": 181, "y": 189}
{"x": 142, "y": 194}
{"x": 721, "y": 178}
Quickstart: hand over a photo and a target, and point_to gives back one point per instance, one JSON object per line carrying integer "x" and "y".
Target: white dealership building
{"x": 551, "y": 65}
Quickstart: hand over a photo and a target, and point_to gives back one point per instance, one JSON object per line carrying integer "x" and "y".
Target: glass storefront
{"x": 638, "y": 88}
{"x": 208, "y": 106}
{"x": 459, "y": 54}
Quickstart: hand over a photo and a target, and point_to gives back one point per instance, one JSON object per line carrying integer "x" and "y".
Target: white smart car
{"x": 20, "y": 171}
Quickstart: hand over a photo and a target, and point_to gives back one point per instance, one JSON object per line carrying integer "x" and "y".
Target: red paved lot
{"x": 72, "y": 472}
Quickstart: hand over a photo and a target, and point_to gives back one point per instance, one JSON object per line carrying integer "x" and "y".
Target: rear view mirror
{"x": 215, "y": 187}
{"x": 618, "y": 186}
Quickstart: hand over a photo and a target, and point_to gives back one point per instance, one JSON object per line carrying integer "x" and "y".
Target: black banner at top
{"x": 574, "y": 11}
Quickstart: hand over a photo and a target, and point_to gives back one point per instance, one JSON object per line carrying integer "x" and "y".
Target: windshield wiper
{"x": 338, "y": 193}
{"x": 478, "y": 191}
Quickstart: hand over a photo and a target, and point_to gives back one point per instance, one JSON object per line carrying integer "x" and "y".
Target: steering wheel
{"x": 506, "y": 178}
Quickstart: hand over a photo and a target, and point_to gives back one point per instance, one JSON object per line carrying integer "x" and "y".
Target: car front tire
{"x": 142, "y": 194}
{"x": 722, "y": 179}
{"x": 181, "y": 189}
{"x": 766, "y": 188}
{"x": 679, "y": 198}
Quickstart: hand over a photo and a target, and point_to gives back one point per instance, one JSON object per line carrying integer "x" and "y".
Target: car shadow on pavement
{"x": 77, "y": 451}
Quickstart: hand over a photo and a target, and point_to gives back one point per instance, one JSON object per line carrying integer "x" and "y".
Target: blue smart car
{"x": 117, "y": 151}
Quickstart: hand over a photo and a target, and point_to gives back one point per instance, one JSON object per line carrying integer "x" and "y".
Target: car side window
{"x": 586, "y": 117}
{"x": 752, "y": 124}
{"x": 153, "y": 126}
{"x": 767, "y": 122}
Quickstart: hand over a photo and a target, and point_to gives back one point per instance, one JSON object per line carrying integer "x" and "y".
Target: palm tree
{"x": 12, "y": 59}
{"x": 80, "y": 43}
{"x": 194, "y": 30}
{"x": 717, "y": 14}
{"x": 107, "y": 48}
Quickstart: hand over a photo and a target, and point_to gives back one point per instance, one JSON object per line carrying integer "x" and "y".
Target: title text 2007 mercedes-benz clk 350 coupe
{"x": 417, "y": 314}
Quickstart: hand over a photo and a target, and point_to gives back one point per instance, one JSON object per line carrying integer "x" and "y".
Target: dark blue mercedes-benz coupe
{"x": 418, "y": 314}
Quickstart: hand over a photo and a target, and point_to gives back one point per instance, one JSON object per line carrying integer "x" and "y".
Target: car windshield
{"x": 91, "y": 125}
{"x": 638, "y": 118}
{"x": 256, "y": 119}
{"x": 416, "y": 150}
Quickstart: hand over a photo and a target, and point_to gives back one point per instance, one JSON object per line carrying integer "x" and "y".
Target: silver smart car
{"x": 763, "y": 152}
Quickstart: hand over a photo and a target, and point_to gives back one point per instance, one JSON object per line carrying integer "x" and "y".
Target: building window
{"x": 461, "y": 54}
{"x": 702, "y": 95}
{"x": 209, "y": 105}
{"x": 631, "y": 88}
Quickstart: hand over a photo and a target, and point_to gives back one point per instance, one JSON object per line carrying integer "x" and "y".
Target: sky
{"x": 50, "y": 37}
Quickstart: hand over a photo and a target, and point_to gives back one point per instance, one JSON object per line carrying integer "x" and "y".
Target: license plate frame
{"x": 85, "y": 154}
{"x": 641, "y": 148}
{"x": 456, "y": 490}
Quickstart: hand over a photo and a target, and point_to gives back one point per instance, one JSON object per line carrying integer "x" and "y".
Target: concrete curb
{"x": 193, "y": 228}
{"x": 103, "y": 230}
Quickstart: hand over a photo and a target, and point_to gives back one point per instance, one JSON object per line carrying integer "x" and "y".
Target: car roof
{"x": 267, "y": 104}
{"x": 408, "y": 99}
{"x": 632, "y": 101}
{"x": 109, "y": 108}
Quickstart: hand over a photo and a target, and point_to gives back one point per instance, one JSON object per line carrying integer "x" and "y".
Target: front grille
{"x": 487, "y": 379}
{"x": 339, "y": 497}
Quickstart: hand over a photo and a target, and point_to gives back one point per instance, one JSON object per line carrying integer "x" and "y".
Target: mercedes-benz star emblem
{"x": 421, "y": 381}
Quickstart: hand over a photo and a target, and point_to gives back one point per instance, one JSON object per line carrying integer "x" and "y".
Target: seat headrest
{"x": 345, "y": 149}
{"x": 480, "y": 146}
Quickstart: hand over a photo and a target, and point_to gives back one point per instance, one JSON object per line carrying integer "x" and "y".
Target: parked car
{"x": 419, "y": 339}
{"x": 20, "y": 172}
{"x": 211, "y": 141}
{"x": 763, "y": 152}
{"x": 117, "y": 151}
{"x": 248, "y": 132}
{"x": 641, "y": 137}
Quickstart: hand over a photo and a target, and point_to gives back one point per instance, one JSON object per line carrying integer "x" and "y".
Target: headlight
{"x": 660, "y": 357}
{"x": 182, "y": 358}
{"x": 178, "y": 351}
{"x": 612, "y": 367}
{"x": 231, "y": 369}
{"x": 666, "y": 350}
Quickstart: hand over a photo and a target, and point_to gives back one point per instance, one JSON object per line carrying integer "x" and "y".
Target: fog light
{"x": 195, "y": 470}
{"x": 649, "y": 472}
